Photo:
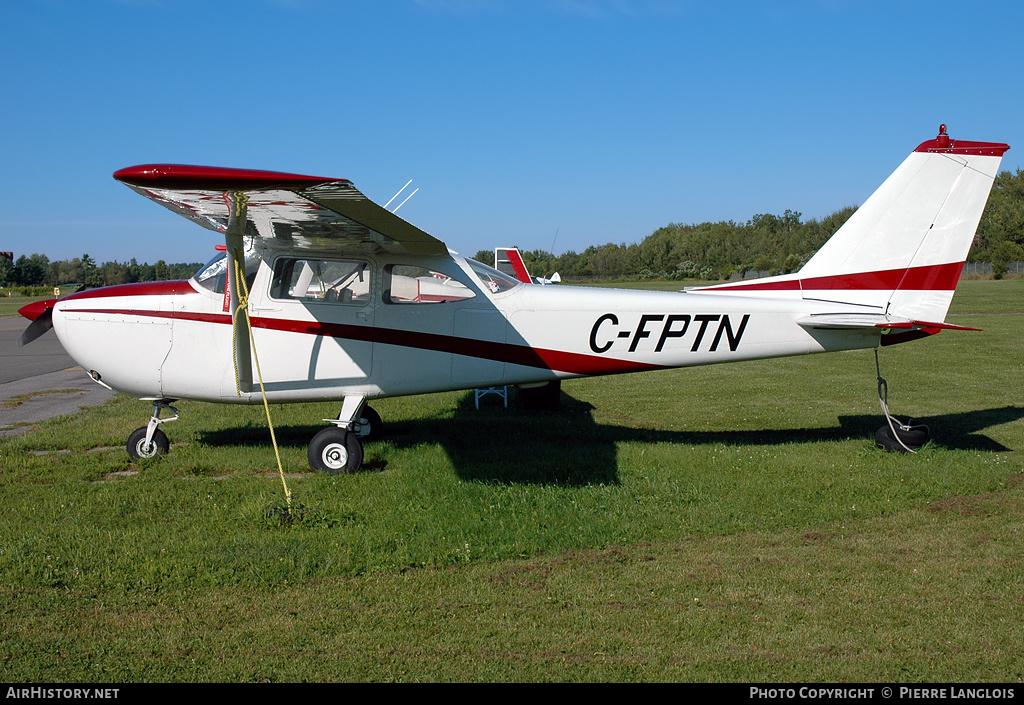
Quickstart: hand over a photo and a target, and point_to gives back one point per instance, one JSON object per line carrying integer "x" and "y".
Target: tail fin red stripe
{"x": 518, "y": 266}
{"x": 936, "y": 277}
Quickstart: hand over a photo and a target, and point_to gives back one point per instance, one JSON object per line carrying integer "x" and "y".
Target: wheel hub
{"x": 335, "y": 456}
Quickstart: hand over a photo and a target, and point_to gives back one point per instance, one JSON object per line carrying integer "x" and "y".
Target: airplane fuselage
{"x": 174, "y": 340}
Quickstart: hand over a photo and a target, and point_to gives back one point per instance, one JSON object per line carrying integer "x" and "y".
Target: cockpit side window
{"x": 321, "y": 281}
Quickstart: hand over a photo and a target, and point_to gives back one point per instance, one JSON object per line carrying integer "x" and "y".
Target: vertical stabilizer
{"x": 902, "y": 251}
{"x": 510, "y": 261}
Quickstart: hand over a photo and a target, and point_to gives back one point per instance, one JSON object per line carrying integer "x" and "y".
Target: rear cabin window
{"x": 409, "y": 284}
{"x": 321, "y": 281}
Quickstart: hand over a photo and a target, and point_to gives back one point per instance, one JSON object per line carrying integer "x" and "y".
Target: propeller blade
{"x": 37, "y": 327}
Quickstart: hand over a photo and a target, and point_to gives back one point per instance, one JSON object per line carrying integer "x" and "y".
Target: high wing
{"x": 289, "y": 211}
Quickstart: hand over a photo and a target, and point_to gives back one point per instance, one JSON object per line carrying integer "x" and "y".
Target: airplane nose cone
{"x": 41, "y": 315}
{"x": 36, "y": 309}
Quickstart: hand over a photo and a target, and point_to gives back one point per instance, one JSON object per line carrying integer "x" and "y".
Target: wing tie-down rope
{"x": 243, "y": 306}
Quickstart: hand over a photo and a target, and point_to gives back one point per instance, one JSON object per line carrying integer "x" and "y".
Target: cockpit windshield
{"x": 493, "y": 280}
{"x": 213, "y": 275}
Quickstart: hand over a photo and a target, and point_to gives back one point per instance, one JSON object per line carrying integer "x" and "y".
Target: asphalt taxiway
{"x": 39, "y": 381}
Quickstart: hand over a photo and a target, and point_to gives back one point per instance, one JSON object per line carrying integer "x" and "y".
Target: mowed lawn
{"x": 728, "y": 523}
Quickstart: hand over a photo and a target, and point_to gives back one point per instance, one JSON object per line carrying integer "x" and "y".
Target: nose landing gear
{"x": 149, "y": 441}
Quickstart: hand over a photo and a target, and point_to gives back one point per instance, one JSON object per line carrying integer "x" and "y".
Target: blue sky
{"x": 550, "y": 124}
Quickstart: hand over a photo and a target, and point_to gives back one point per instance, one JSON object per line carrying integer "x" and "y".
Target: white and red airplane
{"x": 337, "y": 298}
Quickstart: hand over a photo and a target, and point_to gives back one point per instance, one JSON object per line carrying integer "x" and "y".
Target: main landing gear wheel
{"x": 907, "y": 438}
{"x": 369, "y": 426}
{"x": 335, "y": 451}
{"x": 137, "y": 448}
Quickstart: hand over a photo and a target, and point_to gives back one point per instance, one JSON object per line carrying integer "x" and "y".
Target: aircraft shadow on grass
{"x": 566, "y": 447}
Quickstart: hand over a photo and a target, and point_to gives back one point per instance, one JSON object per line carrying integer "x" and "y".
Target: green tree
{"x": 6, "y": 271}
{"x": 114, "y": 273}
{"x": 32, "y": 271}
{"x": 91, "y": 275}
{"x": 1003, "y": 219}
{"x": 1001, "y": 256}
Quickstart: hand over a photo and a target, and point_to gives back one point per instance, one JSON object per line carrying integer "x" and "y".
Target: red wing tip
{"x": 185, "y": 176}
{"x": 36, "y": 309}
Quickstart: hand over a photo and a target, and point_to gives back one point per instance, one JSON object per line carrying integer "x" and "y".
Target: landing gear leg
{"x": 149, "y": 441}
{"x": 339, "y": 448}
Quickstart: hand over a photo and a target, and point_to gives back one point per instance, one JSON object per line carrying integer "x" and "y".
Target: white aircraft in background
{"x": 336, "y": 298}
{"x": 509, "y": 260}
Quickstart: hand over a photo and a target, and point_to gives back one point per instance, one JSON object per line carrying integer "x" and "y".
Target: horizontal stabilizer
{"x": 848, "y": 321}
{"x": 859, "y": 321}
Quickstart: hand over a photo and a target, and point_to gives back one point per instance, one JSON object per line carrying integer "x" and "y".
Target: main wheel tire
{"x": 912, "y": 438}
{"x": 137, "y": 444}
{"x": 335, "y": 451}
{"x": 369, "y": 426}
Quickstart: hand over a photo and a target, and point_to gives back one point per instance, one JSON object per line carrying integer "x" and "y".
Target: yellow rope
{"x": 243, "y": 305}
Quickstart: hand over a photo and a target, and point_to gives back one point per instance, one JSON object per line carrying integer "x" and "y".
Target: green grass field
{"x": 729, "y": 523}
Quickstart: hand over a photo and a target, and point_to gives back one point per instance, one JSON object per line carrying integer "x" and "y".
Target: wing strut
{"x": 237, "y": 214}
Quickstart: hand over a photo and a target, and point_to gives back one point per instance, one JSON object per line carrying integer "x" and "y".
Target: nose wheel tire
{"x": 137, "y": 448}
{"x": 335, "y": 451}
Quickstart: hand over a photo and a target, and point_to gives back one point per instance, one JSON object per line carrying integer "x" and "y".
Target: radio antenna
{"x": 396, "y": 195}
{"x": 406, "y": 199}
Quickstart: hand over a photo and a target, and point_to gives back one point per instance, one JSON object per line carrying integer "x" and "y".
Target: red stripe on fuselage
{"x": 541, "y": 358}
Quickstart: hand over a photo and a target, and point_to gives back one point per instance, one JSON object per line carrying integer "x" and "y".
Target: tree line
{"x": 38, "y": 270}
{"x": 767, "y": 243}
